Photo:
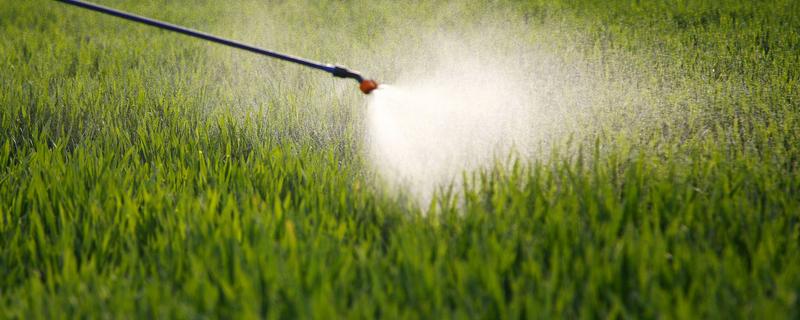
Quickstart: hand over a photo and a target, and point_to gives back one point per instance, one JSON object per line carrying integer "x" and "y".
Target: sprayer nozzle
{"x": 367, "y": 86}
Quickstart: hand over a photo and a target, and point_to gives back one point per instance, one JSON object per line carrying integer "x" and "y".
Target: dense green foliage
{"x": 145, "y": 174}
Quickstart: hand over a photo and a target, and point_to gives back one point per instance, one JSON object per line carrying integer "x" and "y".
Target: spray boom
{"x": 365, "y": 85}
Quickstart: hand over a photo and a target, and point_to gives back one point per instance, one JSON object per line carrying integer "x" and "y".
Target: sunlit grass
{"x": 143, "y": 174}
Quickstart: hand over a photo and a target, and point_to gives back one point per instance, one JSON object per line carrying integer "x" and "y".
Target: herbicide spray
{"x": 441, "y": 119}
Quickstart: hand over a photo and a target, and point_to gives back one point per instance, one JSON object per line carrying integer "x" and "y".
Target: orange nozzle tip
{"x": 367, "y": 86}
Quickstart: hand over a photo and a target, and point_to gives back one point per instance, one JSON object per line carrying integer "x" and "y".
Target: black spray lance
{"x": 366, "y": 85}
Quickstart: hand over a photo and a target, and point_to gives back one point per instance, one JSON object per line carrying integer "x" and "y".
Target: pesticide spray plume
{"x": 467, "y": 101}
{"x": 442, "y": 119}
{"x": 365, "y": 85}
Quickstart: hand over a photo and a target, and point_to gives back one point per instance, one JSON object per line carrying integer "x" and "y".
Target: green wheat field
{"x": 144, "y": 174}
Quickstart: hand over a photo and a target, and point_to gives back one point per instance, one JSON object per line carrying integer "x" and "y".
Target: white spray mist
{"x": 461, "y": 113}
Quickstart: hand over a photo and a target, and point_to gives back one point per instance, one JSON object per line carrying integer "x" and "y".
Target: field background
{"x": 144, "y": 174}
